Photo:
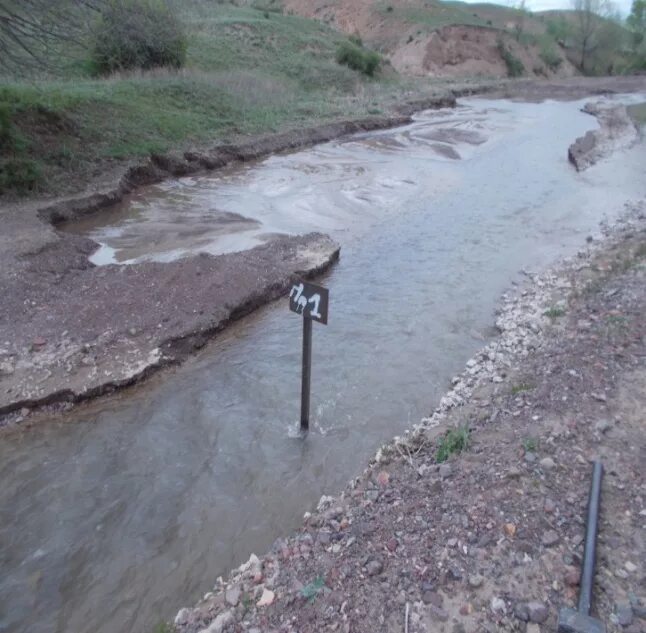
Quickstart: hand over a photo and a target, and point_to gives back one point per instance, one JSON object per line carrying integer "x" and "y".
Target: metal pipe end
{"x": 571, "y": 621}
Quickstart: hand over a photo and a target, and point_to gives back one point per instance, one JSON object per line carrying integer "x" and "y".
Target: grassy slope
{"x": 248, "y": 71}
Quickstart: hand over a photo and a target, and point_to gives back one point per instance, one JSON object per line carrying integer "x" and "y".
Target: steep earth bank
{"x": 616, "y": 131}
{"x": 491, "y": 539}
{"x": 439, "y": 40}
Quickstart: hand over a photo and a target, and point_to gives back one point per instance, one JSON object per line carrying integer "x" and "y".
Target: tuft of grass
{"x": 521, "y": 387}
{"x": 164, "y": 627}
{"x": 554, "y": 312}
{"x": 453, "y": 441}
{"x": 530, "y": 444}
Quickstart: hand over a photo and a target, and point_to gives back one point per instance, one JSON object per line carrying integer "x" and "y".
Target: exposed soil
{"x": 470, "y": 51}
{"x": 490, "y": 540}
{"x": 616, "y": 131}
{"x": 454, "y": 50}
{"x": 77, "y": 331}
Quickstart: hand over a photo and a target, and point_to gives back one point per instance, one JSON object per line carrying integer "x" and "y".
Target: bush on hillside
{"x": 137, "y": 34}
{"x": 550, "y": 57}
{"x": 515, "y": 67}
{"x": 358, "y": 58}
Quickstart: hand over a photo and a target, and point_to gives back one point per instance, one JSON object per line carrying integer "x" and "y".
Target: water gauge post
{"x": 310, "y": 301}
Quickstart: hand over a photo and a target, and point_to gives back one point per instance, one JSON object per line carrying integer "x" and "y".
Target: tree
{"x": 637, "y": 24}
{"x": 589, "y": 15}
{"x": 29, "y": 29}
{"x": 637, "y": 21}
{"x": 521, "y": 15}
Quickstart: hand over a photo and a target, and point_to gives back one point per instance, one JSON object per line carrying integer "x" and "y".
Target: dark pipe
{"x": 589, "y": 555}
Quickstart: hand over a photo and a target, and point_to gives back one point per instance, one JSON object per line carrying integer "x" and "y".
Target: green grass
{"x": 530, "y": 444}
{"x": 638, "y": 113}
{"x": 248, "y": 71}
{"x": 454, "y": 441}
{"x": 554, "y": 312}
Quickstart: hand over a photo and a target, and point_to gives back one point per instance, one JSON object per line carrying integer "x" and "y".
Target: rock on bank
{"x": 72, "y": 331}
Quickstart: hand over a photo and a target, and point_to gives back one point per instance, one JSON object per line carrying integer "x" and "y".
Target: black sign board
{"x": 309, "y": 300}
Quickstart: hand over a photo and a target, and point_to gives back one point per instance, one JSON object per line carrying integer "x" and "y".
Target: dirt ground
{"x": 491, "y": 539}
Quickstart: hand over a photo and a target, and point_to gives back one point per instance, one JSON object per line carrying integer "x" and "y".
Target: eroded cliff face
{"x": 453, "y": 50}
{"x": 470, "y": 51}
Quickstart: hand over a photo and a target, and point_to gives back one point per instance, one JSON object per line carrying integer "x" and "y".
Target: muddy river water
{"x": 115, "y": 517}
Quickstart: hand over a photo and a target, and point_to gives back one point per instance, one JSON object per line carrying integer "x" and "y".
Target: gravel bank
{"x": 491, "y": 539}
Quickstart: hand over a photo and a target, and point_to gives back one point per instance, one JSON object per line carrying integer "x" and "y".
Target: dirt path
{"x": 491, "y": 539}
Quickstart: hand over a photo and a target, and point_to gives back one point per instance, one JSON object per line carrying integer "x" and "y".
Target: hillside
{"x": 446, "y": 39}
{"x": 248, "y": 71}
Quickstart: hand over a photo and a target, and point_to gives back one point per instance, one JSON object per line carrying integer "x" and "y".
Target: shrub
{"x": 6, "y": 135}
{"x": 550, "y": 57}
{"x": 515, "y": 67}
{"x": 19, "y": 174}
{"x": 137, "y": 34}
{"x": 357, "y": 58}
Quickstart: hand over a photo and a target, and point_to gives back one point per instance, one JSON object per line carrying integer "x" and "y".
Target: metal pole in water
{"x": 307, "y": 373}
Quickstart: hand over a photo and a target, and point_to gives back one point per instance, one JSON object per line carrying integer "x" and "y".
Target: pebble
{"x": 549, "y": 506}
{"x": 498, "y": 605}
{"x": 630, "y": 567}
{"x": 232, "y": 595}
{"x": 547, "y": 463}
{"x": 431, "y": 597}
{"x": 182, "y": 617}
{"x": 537, "y": 612}
{"x": 603, "y": 426}
{"x": 374, "y": 567}
{"x": 533, "y": 628}
{"x": 530, "y": 458}
{"x": 550, "y": 538}
{"x": 266, "y": 599}
{"x": 572, "y": 576}
{"x": 475, "y": 581}
{"x": 445, "y": 471}
{"x": 624, "y": 613}
{"x": 220, "y": 623}
{"x": 439, "y": 614}
{"x": 521, "y": 611}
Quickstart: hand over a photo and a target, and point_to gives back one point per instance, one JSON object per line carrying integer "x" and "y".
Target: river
{"x": 118, "y": 514}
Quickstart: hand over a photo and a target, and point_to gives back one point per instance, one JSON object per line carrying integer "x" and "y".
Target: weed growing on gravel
{"x": 454, "y": 441}
{"x": 310, "y": 591}
{"x": 521, "y": 387}
{"x": 530, "y": 444}
{"x": 554, "y": 312}
{"x": 164, "y": 627}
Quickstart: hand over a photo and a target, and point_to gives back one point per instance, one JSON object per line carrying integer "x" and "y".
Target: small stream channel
{"x": 115, "y": 517}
